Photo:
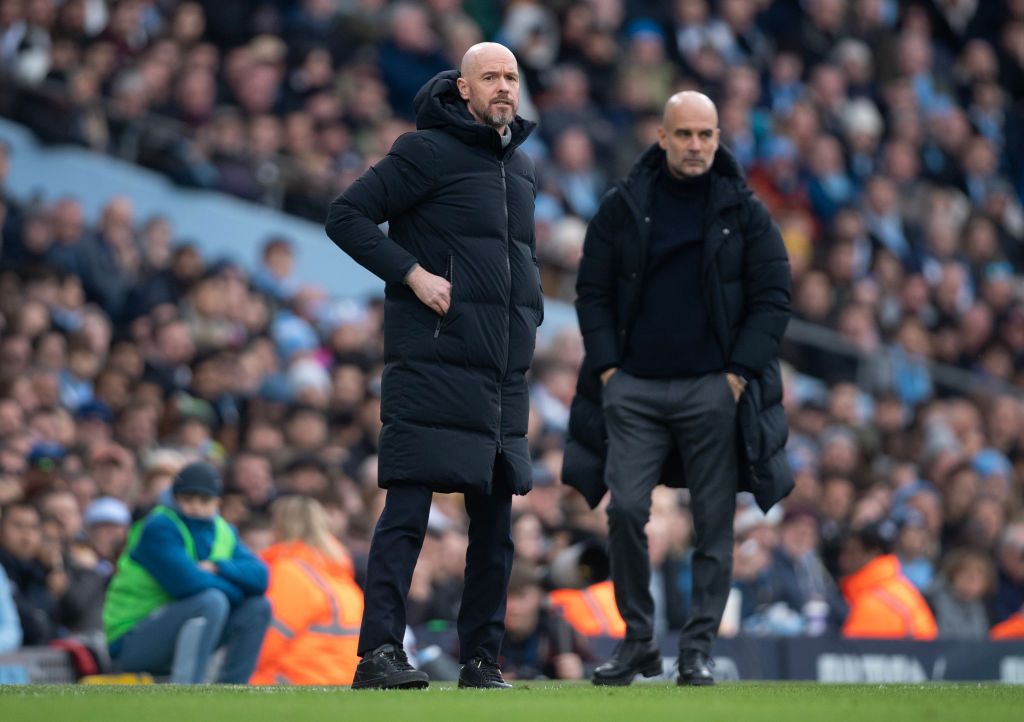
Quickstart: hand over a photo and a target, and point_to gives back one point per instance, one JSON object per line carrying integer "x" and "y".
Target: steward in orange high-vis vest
{"x": 591, "y": 611}
{"x": 883, "y": 603}
{"x": 1012, "y": 628}
{"x": 316, "y": 603}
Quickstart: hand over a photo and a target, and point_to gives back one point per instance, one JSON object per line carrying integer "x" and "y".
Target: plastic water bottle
{"x": 816, "y": 617}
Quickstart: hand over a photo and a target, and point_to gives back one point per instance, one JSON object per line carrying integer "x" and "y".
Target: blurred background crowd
{"x": 886, "y": 138}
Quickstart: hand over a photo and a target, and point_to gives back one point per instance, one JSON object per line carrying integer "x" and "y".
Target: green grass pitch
{"x": 527, "y": 702}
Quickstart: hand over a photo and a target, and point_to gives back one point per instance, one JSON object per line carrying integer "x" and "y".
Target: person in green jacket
{"x": 186, "y": 585}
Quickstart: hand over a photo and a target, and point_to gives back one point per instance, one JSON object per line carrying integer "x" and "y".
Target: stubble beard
{"x": 495, "y": 118}
{"x": 692, "y": 170}
{"x": 498, "y": 121}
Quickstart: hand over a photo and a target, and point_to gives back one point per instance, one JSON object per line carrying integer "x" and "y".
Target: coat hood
{"x": 880, "y": 570}
{"x": 438, "y": 105}
{"x": 298, "y": 551}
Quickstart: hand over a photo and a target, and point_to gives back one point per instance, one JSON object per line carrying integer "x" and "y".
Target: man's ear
{"x": 463, "y": 86}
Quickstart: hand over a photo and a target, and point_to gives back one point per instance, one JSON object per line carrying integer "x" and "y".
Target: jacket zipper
{"x": 508, "y": 270}
{"x": 449, "y": 275}
{"x": 643, "y": 227}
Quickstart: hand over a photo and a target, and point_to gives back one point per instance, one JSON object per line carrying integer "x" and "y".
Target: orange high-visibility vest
{"x": 884, "y": 604}
{"x": 1012, "y": 628}
{"x": 592, "y": 611}
{"x": 317, "y": 610}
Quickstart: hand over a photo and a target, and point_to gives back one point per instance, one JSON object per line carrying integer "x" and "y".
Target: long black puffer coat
{"x": 746, "y": 284}
{"x": 454, "y": 402}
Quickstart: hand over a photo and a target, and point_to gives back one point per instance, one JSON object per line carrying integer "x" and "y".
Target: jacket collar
{"x": 21, "y": 572}
{"x": 726, "y": 178}
{"x": 166, "y": 499}
{"x": 727, "y": 188}
{"x": 439, "y": 105}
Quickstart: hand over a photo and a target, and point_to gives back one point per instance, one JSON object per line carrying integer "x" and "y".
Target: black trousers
{"x": 645, "y": 419}
{"x": 396, "y": 546}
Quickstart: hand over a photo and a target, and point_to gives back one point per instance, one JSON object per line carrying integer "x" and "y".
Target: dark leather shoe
{"x": 695, "y": 669}
{"x": 482, "y": 673}
{"x": 387, "y": 667}
{"x": 631, "y": 657}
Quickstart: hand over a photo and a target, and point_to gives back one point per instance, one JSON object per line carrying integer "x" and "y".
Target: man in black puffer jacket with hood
{"x": 683, "y": 297}
{"x": 463, "y": 302}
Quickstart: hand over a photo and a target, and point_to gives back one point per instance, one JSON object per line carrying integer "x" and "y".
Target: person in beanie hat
{"x": 198, "y": 479}
{"x": 185, "y": 585}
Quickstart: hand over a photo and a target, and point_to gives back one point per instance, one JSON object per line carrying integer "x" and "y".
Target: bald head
{"x": 482, "y": 53}
{"x": 690, "y": 103}
{"x": 689, "y": 134}
{"x": 119, "y": 210}
{"x": 490, "y": 84}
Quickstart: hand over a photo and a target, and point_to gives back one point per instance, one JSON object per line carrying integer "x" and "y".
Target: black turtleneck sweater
{"x": 671, "y": 336}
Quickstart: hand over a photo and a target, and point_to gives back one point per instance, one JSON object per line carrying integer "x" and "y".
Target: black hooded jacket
{"x": 454, "y": 402}
{"x": 745, "y": 283}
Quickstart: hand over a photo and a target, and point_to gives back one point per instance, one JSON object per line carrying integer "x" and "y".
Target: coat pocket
{"x": 449, "y": 275}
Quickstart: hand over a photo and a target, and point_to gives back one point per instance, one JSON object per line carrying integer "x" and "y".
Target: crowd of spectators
{"x": 886, "y": 138}
{"x": 838, "y": 109}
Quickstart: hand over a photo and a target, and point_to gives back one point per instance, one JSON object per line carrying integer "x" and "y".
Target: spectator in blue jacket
{"x": 186, "y": 585}
{"x": 10, "y": 625}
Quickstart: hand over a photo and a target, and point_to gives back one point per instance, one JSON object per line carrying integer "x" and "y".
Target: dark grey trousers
{"x": 645, "y": 419}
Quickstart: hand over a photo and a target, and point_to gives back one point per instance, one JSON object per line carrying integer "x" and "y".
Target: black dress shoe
{"x": 695, "y": 669}
{"x": 631, "y": 657}
{"x": 387, "y": 667}
{"x": 482, "y": 673}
